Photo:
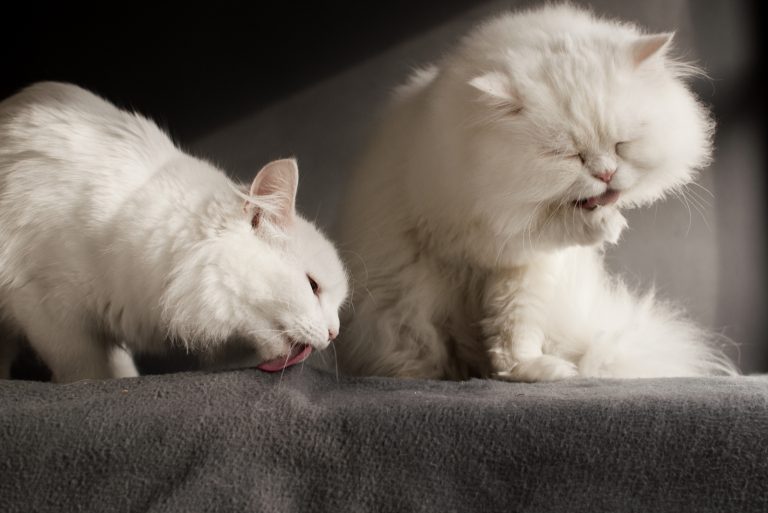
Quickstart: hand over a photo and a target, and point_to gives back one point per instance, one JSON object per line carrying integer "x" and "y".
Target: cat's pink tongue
{"x": 298, "y": 354}
{"x": 607, "y": 198}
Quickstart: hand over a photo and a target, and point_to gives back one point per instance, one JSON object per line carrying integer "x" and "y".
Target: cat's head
{"x": 568, "y": 119}
{"x": 263, "y": 278}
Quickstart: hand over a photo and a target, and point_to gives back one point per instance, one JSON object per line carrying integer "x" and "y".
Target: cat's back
{"x": 63, "y": 123}
{"x": 70, "y": 162}
{"x": 69, "y": 156}
{"x": 377, "y": 187}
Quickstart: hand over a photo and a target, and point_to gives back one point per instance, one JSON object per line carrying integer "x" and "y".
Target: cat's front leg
{"x": 515, "y": 315}
{"x": 66, "y": 344}
{"x": 121, "y": 363}
{"x": 71, "y": 354}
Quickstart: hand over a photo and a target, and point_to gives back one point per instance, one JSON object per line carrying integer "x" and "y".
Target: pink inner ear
{"x": 497, "y": 89}
{"x": 647, "y": 46}
{"x": 493, "y": 84}
{"x": 277, "y": 183}
{"x": 256, "y": 219}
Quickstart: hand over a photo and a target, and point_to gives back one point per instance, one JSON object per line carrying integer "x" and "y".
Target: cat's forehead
{"x": 582, "y": 92}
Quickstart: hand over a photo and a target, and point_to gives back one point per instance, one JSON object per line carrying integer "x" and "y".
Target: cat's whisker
{"x": 285, "y": 331}
{"x": 707, "y": 201}
{"x": 684, "y": 201}
{"x": 572, "y": 223}
{"x": 502, "y": 247}
{"x": 365, "y": 288}
{"x": 545, "y": 224}
{"x": 335, "y": 361}
{"x": 696, "y": 201}
{"x": 574, "y": 213}
{"x": 366, "y": 276}
{"x": 527, "y": 230}
{"x": 529, "y": 225}
{"x": 696, "y": 184}
{"x": 701, "y": 206}
{"x": 291, "y": 346}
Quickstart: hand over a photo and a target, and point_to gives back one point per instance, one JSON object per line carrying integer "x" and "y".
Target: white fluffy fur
{"x": 474, "y": 259}
{"x": 111, "y": 238}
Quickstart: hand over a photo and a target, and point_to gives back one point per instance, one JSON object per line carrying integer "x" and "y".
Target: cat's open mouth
{"x": 607, "y": 198}
{"x": 298, "y": 354}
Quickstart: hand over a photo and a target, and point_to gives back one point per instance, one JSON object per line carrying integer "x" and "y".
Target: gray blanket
{"x": 245, "y": 441}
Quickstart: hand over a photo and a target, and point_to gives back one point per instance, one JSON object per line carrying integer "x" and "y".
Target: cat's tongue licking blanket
{"x": 297, "y": 355}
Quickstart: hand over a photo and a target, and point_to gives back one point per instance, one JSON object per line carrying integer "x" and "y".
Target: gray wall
{"x": 705, "y": 251}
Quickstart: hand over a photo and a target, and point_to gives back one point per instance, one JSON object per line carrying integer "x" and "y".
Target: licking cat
{"x": 113, "y": 241}
{"x": 480, "y": 211}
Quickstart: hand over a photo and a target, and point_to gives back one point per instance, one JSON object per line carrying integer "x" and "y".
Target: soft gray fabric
{"x": 245, "y": 441}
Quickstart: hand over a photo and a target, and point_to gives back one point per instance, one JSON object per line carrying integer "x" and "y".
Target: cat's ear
{"x": 276, "y": 183}
{"x": 497, "y": 88}
{"x": 645, "y": 48}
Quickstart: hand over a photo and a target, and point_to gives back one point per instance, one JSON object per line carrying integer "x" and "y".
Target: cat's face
{"x": 307, "y": 288}
{"x": 573, "y": 127}
{"x": 268, "y": 281}
{"x": 305, "y": 280}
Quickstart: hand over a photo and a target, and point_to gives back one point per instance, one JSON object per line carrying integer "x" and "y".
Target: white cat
{"x": 480, "y": 210}
{"x": 111, "y": 238}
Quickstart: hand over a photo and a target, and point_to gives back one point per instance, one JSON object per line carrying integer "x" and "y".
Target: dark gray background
{"x": 242, "y": 83}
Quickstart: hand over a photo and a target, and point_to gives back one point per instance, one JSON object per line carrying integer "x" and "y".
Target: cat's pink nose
{"x": 332, "y": 334}
{"x": 605, "y": 175}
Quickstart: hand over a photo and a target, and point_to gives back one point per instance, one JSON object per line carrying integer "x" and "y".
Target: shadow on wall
{"x": 729, "y": 36}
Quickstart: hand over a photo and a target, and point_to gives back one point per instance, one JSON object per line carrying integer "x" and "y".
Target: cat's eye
{"x": 314, "y": 285}
{"x": 575, "y": 156}
{"x": 619, "y": 146}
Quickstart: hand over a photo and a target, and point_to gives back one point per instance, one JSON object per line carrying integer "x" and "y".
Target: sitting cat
{"x": 480, "y": 211}
{"x": 112, "y": 239}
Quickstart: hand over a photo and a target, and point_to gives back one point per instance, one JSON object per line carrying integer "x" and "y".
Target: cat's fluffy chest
{"x": 560, "y": 282}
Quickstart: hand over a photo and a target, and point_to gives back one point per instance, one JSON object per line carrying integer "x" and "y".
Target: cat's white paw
{"x": 612, "y": 225}
{"x": 605, "y": 224}
{"x": 541, "y": 368}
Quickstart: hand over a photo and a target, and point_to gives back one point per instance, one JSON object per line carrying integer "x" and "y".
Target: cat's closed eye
{"x": 574, "y": 156}
{"x": 620, "y": 146}
{"x": 314, "y": 285}
{"x": 567, "y": 155}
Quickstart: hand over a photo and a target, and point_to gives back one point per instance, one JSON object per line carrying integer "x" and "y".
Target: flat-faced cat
{"x": 482, "y": 205}
{"x": 112, "y": 239}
